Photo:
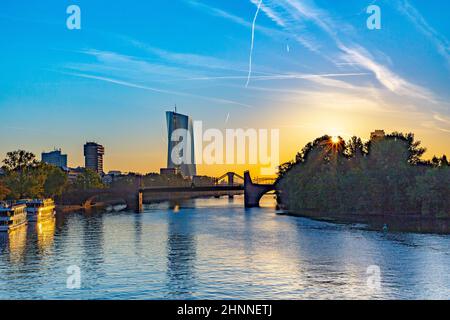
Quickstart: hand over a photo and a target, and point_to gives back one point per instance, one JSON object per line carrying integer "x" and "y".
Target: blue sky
{"x": 316, "y": 69}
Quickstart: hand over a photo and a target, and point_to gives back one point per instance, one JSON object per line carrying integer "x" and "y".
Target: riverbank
{"x": 77, "y": 208}
{"x": 98, "y": 206}
{"x": 394, "y": 223}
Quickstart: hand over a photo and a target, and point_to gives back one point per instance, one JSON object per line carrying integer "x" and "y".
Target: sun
{"x": 335, "y": 139}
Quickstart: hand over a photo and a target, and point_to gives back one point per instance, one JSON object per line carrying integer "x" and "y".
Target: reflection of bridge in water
{"x": 225, "y": 185}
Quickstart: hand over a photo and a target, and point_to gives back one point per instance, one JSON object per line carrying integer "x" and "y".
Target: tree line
{"x": 382, "y": 176}
{"x": 24, "y": 177}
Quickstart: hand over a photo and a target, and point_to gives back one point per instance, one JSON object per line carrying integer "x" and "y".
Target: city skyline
{"x": 316, "y": 69}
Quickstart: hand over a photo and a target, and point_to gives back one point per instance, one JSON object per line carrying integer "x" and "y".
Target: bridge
{"x": 137, "y": 196}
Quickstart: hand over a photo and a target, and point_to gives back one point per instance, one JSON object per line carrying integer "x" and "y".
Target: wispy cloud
{"x": 294, "y": 17}
{"x": 351, "y": 54}
{"x": 291, "y": 76}
{"x": 190, "y": 59}
{"x": 289, "y": 25}
{"x": 269, "y": 12}
{"x": 153, "y": 89}
{"x": 441, "y": 118}
{"x": 385, "y": 76}
{"x": 440, "y": 42}
{"x": 128, "y": 66}
{"x": 234, "y": 18}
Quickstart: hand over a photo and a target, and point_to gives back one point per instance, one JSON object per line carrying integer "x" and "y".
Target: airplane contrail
{"x": 280, "y": 76}
{"x": 251, "y": 47}
{"x": 163, "y": 91}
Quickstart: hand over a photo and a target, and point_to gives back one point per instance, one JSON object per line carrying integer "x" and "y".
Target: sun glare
{"x": 335, "y": 139}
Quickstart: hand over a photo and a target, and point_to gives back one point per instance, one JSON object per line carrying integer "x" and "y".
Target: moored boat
{"x": 40, "y": 209}
{"x": 12, "y": 217}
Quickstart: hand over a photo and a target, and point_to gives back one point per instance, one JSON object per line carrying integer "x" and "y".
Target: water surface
{"x": 215, "y": 249}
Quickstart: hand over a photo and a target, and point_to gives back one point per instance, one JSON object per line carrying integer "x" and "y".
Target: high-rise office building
{"x": 55, "y": 158}
{"x": 181, "y": 152}
{"x": 93, "y": 156}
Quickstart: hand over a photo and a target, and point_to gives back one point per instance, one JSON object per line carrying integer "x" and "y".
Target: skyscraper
{"x": 93, "y": 156}
{"x": 55, "y": 158}
{"x": 181, "y": 152}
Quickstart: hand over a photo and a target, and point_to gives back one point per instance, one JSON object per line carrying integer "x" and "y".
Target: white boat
{"x": 12, "y": 217}
{"x": 40, "y": 209}
{"x": 119, "y": 207}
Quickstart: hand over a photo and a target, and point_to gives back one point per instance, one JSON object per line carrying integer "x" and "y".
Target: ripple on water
{"x": 215, "y": 249}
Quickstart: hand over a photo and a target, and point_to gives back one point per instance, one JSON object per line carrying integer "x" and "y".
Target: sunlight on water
{"x": 214, "y": 248}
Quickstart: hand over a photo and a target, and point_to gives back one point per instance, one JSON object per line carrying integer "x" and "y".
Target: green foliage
{"x": 25, "y": 177}
{"x": 381, "y": 177}
{"x": 19, "y": 160}
{"x": 55, "y": 182}
{"x": 431, "y": 191}
{"x": 157, "y": 180}
{"x": 4, "y": 191}
{"x": 88, "y": 179}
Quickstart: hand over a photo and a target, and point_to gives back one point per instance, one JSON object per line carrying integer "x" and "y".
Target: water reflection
{"x": 15, "y": 242}
{"x": 215, "y": 249}
{"x": 45, "y": 234}
{"x": 181, "y": 254}
{"x": 138, "y": 232}
{"x": 92, "y": 246}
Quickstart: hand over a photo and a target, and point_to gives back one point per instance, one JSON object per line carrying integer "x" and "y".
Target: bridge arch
{"x": 230, "y": 176}
{"x": 253, "y": 192}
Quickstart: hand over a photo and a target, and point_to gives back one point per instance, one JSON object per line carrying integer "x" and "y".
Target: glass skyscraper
{"x": 181, "y": 151}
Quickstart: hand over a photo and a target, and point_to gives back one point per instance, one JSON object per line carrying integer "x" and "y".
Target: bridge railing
{"x": 259, "y": 180}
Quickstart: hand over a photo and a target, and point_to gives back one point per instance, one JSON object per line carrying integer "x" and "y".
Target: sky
{"x": 315, "y": 69}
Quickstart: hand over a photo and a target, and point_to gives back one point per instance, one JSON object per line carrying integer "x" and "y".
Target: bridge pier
{"x": 253, "y": 192}
{"x": 135, "y": 202}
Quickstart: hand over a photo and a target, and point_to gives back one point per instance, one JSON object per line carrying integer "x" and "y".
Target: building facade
{"x": 169, "y": 171}
{"x": 55, "y": 158}
{"x": 93, "y": 157}
{"x": 377, "y": 135}
{"x": 181, "y": 151}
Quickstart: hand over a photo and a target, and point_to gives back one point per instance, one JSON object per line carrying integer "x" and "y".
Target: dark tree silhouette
{"x": 384, "y": 176}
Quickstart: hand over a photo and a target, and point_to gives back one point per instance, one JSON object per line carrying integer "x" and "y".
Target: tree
{"x": 415, "y": 152}
{"x": 89, "y": 179}
{"x": 385, "y": 176}
{"x": 19, "y": 160}
{"x": 284, "y": 168}
{"x": 55, "y": 182}
{"x": 444, "y": 161}
{"x": 4, "y": 191}
{"x": 435, "y": 161}
{"x": 431, "y": 191}
{"x": 355, "y": 148}
{"x": 25, "y": 177}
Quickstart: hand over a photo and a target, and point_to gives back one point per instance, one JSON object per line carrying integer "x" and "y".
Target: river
{"x": 216, "y": 249}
